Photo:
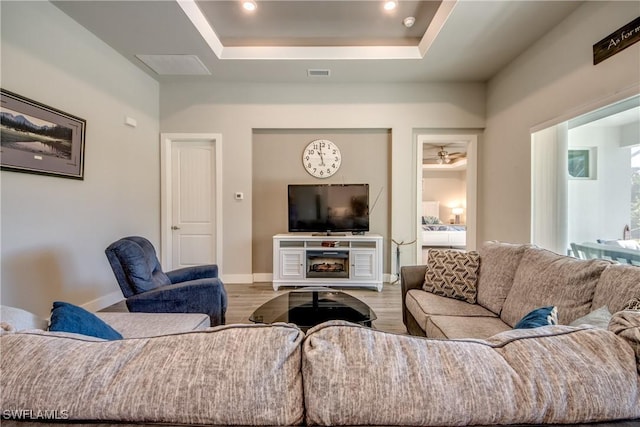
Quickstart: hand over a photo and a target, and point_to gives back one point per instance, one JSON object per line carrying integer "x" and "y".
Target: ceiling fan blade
{"x": 457, "y": 154}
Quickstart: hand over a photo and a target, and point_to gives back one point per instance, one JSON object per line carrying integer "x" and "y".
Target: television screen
{"x": 329, "y": 208}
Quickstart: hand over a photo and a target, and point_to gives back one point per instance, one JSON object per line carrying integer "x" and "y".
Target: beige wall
{"x": 235, "y": 110}
{"x": 277, "y": 162}
{"x": 55, "y": 230}
{"x": 554, "y": 78}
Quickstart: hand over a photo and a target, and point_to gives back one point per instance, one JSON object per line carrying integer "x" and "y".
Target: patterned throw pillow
{"x": 543, "y": 316}
{"x": 452, "y": 274}
{"x": 632, "y": 304}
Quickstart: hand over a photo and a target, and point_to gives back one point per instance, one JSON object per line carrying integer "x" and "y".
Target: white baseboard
{"x": 262, "y": 277}
{"x": 104, "y": 301}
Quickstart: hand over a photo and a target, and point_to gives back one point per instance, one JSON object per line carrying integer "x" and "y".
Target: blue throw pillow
{"x": 542, "y": 316}
{"x": 67, "y": 317}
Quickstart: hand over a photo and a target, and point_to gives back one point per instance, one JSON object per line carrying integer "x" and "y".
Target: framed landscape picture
{"x": 36, "y": 138}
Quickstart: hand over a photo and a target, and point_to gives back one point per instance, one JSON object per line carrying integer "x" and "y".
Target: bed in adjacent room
{"x": 435, "y": 233}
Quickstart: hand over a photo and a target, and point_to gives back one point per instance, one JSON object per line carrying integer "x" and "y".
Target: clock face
{"x": 321, "y": 158}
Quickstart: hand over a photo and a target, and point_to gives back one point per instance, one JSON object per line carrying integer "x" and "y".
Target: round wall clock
{"x": 321, "y": 158}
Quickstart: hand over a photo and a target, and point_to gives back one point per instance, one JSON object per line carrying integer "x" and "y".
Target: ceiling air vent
{"x": 318, "y": 72}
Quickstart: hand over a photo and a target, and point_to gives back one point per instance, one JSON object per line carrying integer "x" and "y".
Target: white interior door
{"x": 191, "y": 208}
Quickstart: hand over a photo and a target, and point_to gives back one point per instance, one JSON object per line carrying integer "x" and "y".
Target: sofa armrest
{"x": 411, "y": 277}
{"x": 193, "y": 273}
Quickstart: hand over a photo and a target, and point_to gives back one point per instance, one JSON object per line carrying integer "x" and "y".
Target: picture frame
{"x": 38, "y": 139}
{"x": 582, "y": 162}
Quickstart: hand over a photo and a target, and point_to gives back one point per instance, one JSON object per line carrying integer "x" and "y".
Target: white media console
{"x": 334, "y": 260}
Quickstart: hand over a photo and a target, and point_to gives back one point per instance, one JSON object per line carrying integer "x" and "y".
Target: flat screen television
{"x": 329, "y": 208}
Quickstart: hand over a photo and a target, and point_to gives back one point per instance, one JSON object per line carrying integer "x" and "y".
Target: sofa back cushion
{"x": 498, "y": 265}
{"x": 510, "y": 379}
{"x": 229, "y": 375}
{"x": 617, "y": 285}
{"x": 546, "y": 278}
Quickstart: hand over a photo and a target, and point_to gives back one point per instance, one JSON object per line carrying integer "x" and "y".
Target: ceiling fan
{"x": 443, "y": 156}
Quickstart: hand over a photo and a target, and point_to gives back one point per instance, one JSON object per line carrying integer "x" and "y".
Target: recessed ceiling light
{"x": 390, "y": 4}
{"x": 249, "y": 5}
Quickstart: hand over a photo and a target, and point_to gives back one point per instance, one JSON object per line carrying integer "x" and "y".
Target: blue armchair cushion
{"x": 66, "y": 317}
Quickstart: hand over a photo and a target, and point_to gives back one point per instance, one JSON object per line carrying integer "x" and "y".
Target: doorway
{"x": 585, "y": 176}
{"x": 191, "y": 190}
{"x": 446, "y": 192}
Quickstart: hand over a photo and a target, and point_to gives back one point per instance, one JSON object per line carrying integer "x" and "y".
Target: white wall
{"x": 554, "y": 78}
{"x": 235, "y": 110}
{"x": 600, "y": 208}
{"x": 55, "y": 230}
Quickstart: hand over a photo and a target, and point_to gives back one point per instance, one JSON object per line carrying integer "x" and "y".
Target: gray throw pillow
{"x": 599, "y": 318}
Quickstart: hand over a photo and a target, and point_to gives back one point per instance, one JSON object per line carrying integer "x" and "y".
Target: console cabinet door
{"x": 292, "y": 264}
{"x": 363, "y": 264}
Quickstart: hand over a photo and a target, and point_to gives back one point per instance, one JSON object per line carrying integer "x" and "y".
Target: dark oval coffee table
{"x": 308, "y": 307}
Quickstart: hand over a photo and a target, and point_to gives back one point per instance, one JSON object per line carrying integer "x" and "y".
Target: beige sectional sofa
{"x": 339, "y": 373}
{"x": 513, "y": 280}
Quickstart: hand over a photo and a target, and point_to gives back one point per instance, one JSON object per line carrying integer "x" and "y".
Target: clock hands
{"x": 321, "y": 156}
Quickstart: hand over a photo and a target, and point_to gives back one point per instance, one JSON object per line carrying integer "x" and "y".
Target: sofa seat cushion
{"x": 229, "y": 375}
{"x": 141, "y": 325}
{"x": 498, "y": 264}
{"x": 508, "y": 380}
{"x": 16, "y": 319}
{"x": 545, "y": 278}
{"x": 422, "y": 305}
{"x": 616, "y": 286}
{"x": 452, "y": 327}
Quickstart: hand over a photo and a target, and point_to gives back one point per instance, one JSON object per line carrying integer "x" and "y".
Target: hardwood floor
{"x": 243, "y": 299}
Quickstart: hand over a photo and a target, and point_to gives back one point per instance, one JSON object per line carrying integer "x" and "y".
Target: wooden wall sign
{"x": 617, "y": 41}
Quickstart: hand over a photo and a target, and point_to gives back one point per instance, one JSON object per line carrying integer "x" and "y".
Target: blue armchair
{"x": 148, "y": 289}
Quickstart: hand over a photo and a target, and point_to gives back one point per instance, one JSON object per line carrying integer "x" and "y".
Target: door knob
{"x": 175, "y": 227}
